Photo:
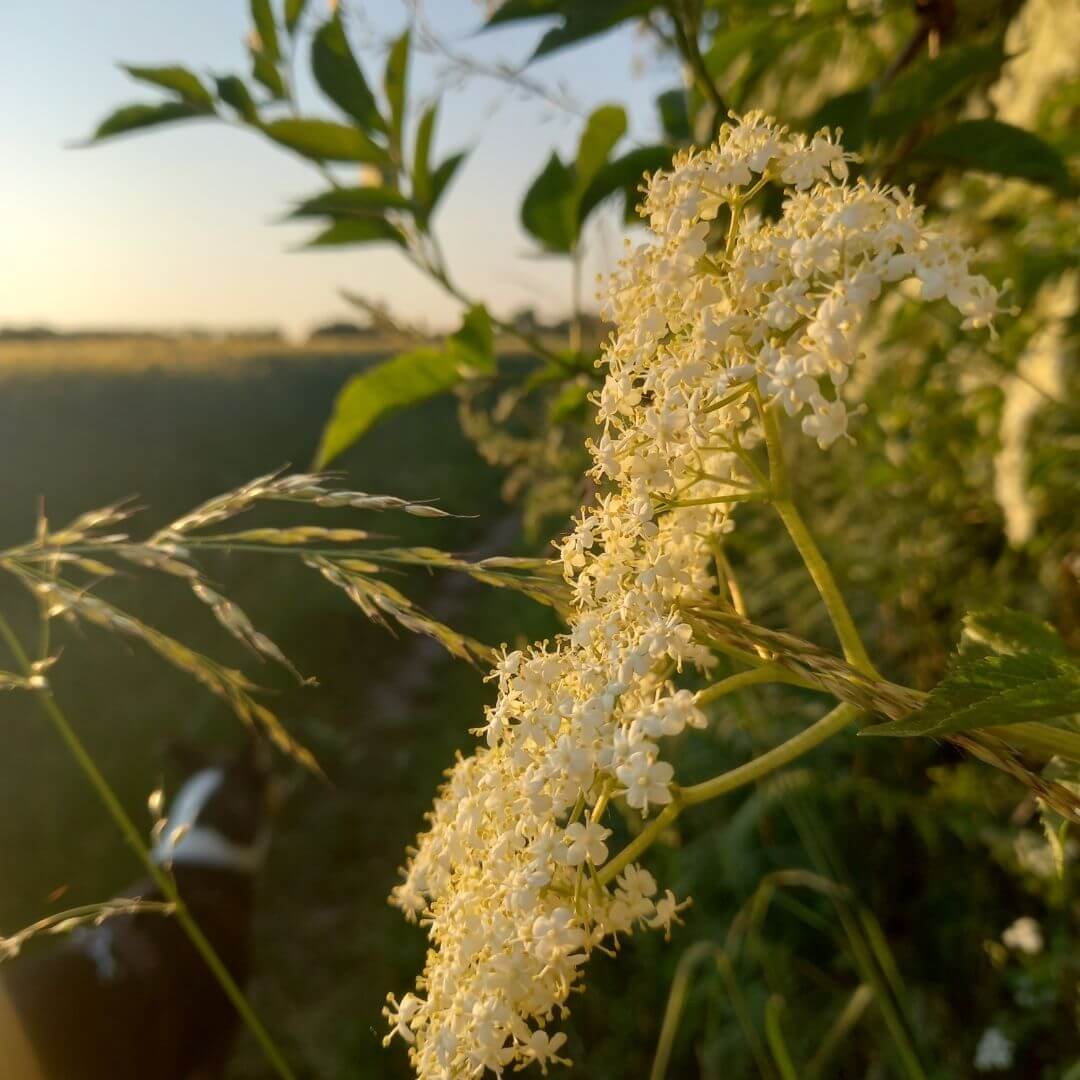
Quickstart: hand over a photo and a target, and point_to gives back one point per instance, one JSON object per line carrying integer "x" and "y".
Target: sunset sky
{"x": 176, "y": 227}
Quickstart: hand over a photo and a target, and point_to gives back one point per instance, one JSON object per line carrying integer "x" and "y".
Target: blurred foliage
{"x": 962, "y": 494}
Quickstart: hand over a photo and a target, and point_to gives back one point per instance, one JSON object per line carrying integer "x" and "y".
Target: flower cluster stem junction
{"x": 830, "y": 724}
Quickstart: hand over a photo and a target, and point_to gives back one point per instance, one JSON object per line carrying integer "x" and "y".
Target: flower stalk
{"x": 832, "y": 723}
{"x": 820, "y": 572}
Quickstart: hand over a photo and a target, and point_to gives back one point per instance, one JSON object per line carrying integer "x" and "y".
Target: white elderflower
{"x": 1025, "y": 935}
{"x": 667, "y": 912}
{"x": 646, "y": 781}
{"x": 509, "y": 877}
{"x": 827, "y": 423}
{"x": 994, "y": 1051}
{"x": 586, "y": 842}
{"x": 544, "y": 1049}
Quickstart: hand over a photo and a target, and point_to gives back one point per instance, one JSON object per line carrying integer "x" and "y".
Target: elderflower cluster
{"x": 723, "y": 314}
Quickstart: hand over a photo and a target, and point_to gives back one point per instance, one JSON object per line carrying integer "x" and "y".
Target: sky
{"x": 180, "y": 226}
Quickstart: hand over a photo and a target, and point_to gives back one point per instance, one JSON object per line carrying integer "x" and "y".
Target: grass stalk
{"x": 774, "y": 1034}
{"x": 867, "y": 954}
{"x": 848, "y": 1017}
{"x": 677, "y": 995}
{"x": 163, "y": 881}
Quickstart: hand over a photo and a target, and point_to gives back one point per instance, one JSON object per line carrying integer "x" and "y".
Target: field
{"x": 174, "y": 423}
{"x": 171, "y": 424}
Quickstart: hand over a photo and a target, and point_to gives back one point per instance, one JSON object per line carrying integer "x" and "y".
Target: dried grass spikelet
{"x": 237, "y": 623}
{"x": 64, "y": 922}
{"x": 540, "y": 579}
{"x": 292, "y": 487}
{"x": 227, "y": 683}
{"x": 381, "y": 602}
{"x": 300, "y": 534}
{"x": 45, "y": 566}
{"x": 807, "y": 661}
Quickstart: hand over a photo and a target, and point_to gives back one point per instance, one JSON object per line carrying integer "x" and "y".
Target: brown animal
{"x": 131, "y": 999}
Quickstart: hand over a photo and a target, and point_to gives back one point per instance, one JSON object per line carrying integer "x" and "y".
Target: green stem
{"x": 742, "y": 1015}
{"x": 641, "y": 843}
{"x": 740, "y": 391}
{"x": 825, "y": 728}
{"x": 848, "y": 1017}
{"x": 687, "y": 44}
{"x": 602, "y": 802}
{"x": 713, "y": 500}
{"x": 767, "y": 673}
{"x": 774, "y": 447}
{"x": 680, "y": 987}
{"x": 833, "y": 722}
{"x": 775, "y": 1036}
{"x": 854, "y": 650}
{"x": 437, "y": 271}
{"x": 163, "y": 881}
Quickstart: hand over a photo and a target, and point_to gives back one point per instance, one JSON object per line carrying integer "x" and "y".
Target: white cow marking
{"x": 97, "y": 944}
{"x": 184, "y": 842}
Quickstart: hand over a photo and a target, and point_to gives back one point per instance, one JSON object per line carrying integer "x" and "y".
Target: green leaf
{"x": 517, "y": 10}
{"x": 177, "y": 79}
{"x": 764, "y": 55}
{"x": 352, "y": 202}
{"x": 729, "y": 45}
{"x": 928, "y": 85}
{"x": 406, "y": 380}
{"x": 993, "y": 690}
{"x": 623, "y": 174}
{"x": 421, "y": 164}
{"x": 324, "y": 140}
{"x": 604, "y": 128}
{"x": 340, "y": 77}
{"x": 549, "y": 373}
{"x": 368, "y": 397}
{"x": 357, "y": 230}
{"x": 570, "y": 402}
{"x": 1005, "y": 631}
{"x": 585, "y": 20}
{"x": 547, "y": 211}
{"x": 849, "y": 113}
{"x": 294, "y": 12}
{"x": 579, "y": 20}
{"x": 265, "y": 72}
{"x": 441, "y": 177}
{"x": 394, "y": 83}
{"x": 262, "y": 16}
{"x": 993, "y": 147}
{"x": 136, "y": 117}
{"x": 674, "y": 112}
{"x": 473, "y": 345}
{"x": 234, "y": 92}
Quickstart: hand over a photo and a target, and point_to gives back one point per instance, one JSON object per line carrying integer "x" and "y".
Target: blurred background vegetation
{"x": 868, "y": 890}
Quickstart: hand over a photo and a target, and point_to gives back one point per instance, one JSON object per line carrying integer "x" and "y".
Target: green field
{"x": 172, "y": 424}
{"x": 174, "y": 427}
